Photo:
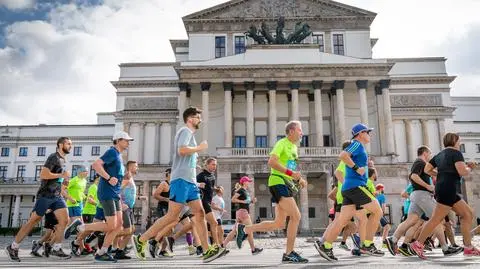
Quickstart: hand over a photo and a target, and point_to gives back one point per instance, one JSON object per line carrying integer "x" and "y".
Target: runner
{"x": 243, "y": 200}
{"x": 355, "y": 195}
{"x": 110, "y": 167}
{"x": 46, "y": 240}
{"x": 75, "y": 194}
{"x": 283, "y": 162}
{"x": 162, "y": 194}
{"x": 89, "y": 210}
{"x": 382, "y": 200}
{"x": 218, "y": 206}
{"x": 183, "y": 189}
{"x": 52, "y": 175}
{"x": 448, "y": 165}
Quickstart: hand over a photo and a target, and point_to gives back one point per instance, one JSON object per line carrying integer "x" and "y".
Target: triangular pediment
{"x": 250, "y": 9}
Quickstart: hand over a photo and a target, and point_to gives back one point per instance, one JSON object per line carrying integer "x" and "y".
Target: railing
{"x": 264, "y": 152}
{"x": 20, "y": 180}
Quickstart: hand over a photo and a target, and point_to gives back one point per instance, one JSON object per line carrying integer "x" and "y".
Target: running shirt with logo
{"x": 52, "y": 187}
{"x": 129, "y": 194}
{"x": 219, "y": 202}
{"x": 418, "y": 167}
{"x": 184, "y": 167}
{"x": 360, "y": 158}
{"x": 286, "y": 151}
{"x": 209, "y": 180}
{"x": 76, "y": 189}
{"x": 113, "y": 165}
{"x": 90, "y": 209}
{"x": 244, "y": 196}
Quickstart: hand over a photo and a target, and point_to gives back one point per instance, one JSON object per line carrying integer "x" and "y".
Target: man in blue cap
{"x": 355, "y": 195}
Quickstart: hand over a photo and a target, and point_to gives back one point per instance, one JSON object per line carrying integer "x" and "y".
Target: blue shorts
{"x": 383, "y": 221}
{"x": 75, "y": 211}
{"x": 182, "y": 191}
{"x": 42, "y": 204}
{"x": 99, "y": 215}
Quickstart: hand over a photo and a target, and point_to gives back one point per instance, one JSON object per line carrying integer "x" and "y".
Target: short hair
{"x": 130, "y": 163}
{"x": 62, "y": 140}
{"x": 450, "y": 139}
{"x": 371, "y": 172}
{"x": 422, "y": 149}
{"x": 168, "y": 171}
{"x": 291, "y": 125}
{"x": 346, "y": 144}
{"x": 210, "y": 160}
{"x": 191, "y": 111}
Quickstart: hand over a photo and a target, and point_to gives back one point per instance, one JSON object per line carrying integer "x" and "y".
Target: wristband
{"x": 289, "y": 172}
{"x": 355, "y": 167}
{"x": 109, "y": 177}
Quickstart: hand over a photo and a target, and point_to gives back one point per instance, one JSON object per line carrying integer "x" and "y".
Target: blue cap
{"x": 81, "y": 169}
{"x": 360, "y": 127}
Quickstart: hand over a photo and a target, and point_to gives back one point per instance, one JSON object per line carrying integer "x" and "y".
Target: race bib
{"x": 292, "y": 165}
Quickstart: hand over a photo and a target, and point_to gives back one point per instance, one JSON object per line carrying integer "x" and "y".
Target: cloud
{"x": 17, "y": 4}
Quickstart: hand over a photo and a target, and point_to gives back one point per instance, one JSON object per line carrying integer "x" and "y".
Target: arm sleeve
{"x": 458, "y": 157}
{"x": 184, "y": 138}
{"x": 277, "y": 149}
{"x": 109, "y": 156}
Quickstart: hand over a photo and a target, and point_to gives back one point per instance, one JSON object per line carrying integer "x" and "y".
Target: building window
{"x": 92, "y": 173}
{"x": 326, "y": 141}
{"x": 462, "y": 148}
{"x": 239, "y": 142}
{"x": 77, "y": 151}
{"x": 3, "y": 171}
{"x": 21, "y": 171}
{"x": 41, "y": 151}
{"x": 279, "y": 137}
{"x": 5, "y": 152}
{"x": 38, "y": 169}
{"x": 311, "y": 212}
{"x": 23, "y": 152}
{"x": 75, "y": 170}
{"x": 220, "y": 46}
{"x": 261, "y": 141}
{"x": 95, "y": 150}
{"x": 318, "y": 39}
{"x": 338, "y": 44}
{"x": 239, "y": 44}
{"x": 263, "y": 212}
{"x": 478, "y": 148}
{"x": 304, "y": 142}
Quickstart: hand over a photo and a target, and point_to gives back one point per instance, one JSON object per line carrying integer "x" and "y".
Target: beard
{"x": 66, "y": 150}
{"x": 197, "y": 126}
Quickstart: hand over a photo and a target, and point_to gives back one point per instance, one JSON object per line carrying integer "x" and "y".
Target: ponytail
{"x": 237, "y": 186}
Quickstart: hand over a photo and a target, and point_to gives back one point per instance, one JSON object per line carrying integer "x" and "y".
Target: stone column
{"x": 272, "y": 112}
{"x": 224, "y": 179}
{"x": 409, "y": 140}
{"x": 166, "y": 141}
{"x": 339, "y": 85}
{"x": 149, "y": 144}
{"x": 227, "y": 113}
{"x": 205, "y": 101}
{"x": 304, "y": 221}
{"x": 251, "y": 188}
{"x": 387, "y": 111}
{"x": 249, "y": 87}
{"x": 294, "y": 87}
{"x": 425, "y": 136}
{"x": 317, "y": 92}
{"x": 182, "y": 101}
{"x": 134, "y": 148}
{"x": 145, "y": 204}
{"x": 441, "y": 131}
{"x": 126, "y": 128}
{"x": 156, "y": 158}
{"x": 16, "y": 212}
{"x": 362, "y": 94}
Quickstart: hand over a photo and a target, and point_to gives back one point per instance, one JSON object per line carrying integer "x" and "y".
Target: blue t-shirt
{"x": 406, "y": 204}
{"x": 360, "y": 158}
{"x": 381, "y": 199}
{"x": 113, "y": 165}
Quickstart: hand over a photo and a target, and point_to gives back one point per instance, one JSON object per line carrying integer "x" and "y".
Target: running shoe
{"x": 60, "y": 254}
{"x": 199, "y": 250}
{"x": 139, "y": 247}
{"x": 452, "y": 251}
{"x": 12, "y": 253}
{"x": 372, "y": 250}
{"x": 326, "y": 253}
{"x": 72, "y": 228}
{"x": 471, "y": 252}
{"x": 165, "y": 254}
{"x": 356, "y": 240}
{"x": 418, "y": 249}
{"x": 35, "y": 248}
{"x": 404, "y": 250}
{"x": 293, "y": 257}
{"x": 344, "y": 247}
{"x": 105, "y": 257}
{"x": 212, "y": 253}
{"x": 121, "y": 255}
{"x": 75, "y": 249}
{"x": 47, "y": 248}
{"x": 152, "y": 247}
{"x": 256, "y": 251}
{"x": 391, "y": 246}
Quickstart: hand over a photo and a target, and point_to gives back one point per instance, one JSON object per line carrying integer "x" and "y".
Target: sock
{"x": 367, "y": 243}
{"x": 81, "y": 228}
{"x": 15, "y": 245}
{"x": 327, "y": 245}
{"x": 211, "y": 240}
{"x": 57, "y": 246}
{"x": 189, "y": 238}
{"x": 445, "y": 247}
{"x": 92, "y": 237}
{"x": 394, "y": 239}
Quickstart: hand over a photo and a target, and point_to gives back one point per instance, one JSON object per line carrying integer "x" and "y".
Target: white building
{"x": 249, "y": 91}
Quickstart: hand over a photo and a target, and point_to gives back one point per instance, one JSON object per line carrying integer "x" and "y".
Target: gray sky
{"x": 57, "y": 61}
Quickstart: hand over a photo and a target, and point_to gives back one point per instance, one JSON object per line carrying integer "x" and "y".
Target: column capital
{"x": 205, "y": 86}
{"x": 228, "y": 86}
{"x": 272, "y": 85}
{"x": 294, "y": 84}
{"x": 289, "y": 97}
{"x": 184, "y": 86}
{"x": 311, "y": 97}
{"x": 361, "y": 84}
{"x": 141, "y": 124}
{"x": 333, "y": 91}
{"x": 384, "y": 83}
{"x": 378, "y": 89}
{"x": 317, "y": 84}
{"x": 339, "y": 84}
{"x": 249, "y": 85}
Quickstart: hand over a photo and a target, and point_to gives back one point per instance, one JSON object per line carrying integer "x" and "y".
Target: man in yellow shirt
{"x": 75, "y": 193}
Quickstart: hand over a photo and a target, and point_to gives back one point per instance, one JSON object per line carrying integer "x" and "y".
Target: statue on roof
{"x": 302, "y": 30}
{"x": 264, "y": 36}
{"x": 254, "y": 34}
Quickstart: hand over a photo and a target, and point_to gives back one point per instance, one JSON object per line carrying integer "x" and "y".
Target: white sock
{"x": 445, "y": 247}
{"x": 57, "y": 246}
{"x": 15, "y": 245}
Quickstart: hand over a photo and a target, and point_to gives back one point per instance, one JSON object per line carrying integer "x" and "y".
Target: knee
{"x": 296, "y": 216}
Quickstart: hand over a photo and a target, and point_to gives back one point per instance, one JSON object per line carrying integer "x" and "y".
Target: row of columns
{"x": 152, "y": 142}
{"x": 337, "y": 91}
{"x": 411, "y": 150}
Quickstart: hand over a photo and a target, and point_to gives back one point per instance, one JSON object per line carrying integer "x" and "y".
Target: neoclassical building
{"x": 249, "y": 89}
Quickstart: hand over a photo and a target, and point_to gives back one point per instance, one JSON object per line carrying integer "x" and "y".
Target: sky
{"x": 57, "y": 57}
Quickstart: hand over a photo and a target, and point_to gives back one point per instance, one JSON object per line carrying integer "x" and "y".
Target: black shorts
{"x": 187, "y": 214}
{"x": 50, "y": 221}
{"x": 279, "y": 191}
{"x": 358, "y": 196}
{"x": 87, "y": 218}
{"x": 383, "y": 221}
{"x": 219, "y": 221}
{"x": 446, "y": 197}
{"x": 207, "y": 207}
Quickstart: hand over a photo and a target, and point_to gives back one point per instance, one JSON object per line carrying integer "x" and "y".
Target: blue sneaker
{"x": 72, "y": 228}
{"x": 356, "y": 240}
{"x": 104, "y": 258}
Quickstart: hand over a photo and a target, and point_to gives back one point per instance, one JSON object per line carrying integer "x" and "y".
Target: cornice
{"x": 422, "y": 80}
{"x": 54, "y": 138}
{"x": 144, "y": 83}
{"x": 469, "y": 134}
{"x": 382, "y": 66}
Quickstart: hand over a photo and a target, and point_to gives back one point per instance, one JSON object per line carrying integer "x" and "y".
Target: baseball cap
{"x": 245, "y": 179}
{"x": 360, "y": 127}
{"x": 82, "y": 168}
{"x": 122, "y": 135}
{"x": 379, "y": 187}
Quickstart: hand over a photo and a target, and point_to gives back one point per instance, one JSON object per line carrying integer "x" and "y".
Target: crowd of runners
{"x": 99, "y": 221}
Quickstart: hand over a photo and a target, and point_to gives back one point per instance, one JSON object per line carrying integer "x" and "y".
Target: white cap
{"x": 122, "y": 135}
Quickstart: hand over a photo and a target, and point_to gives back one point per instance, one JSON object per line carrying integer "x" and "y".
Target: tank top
{"x": 165, "y": 194}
